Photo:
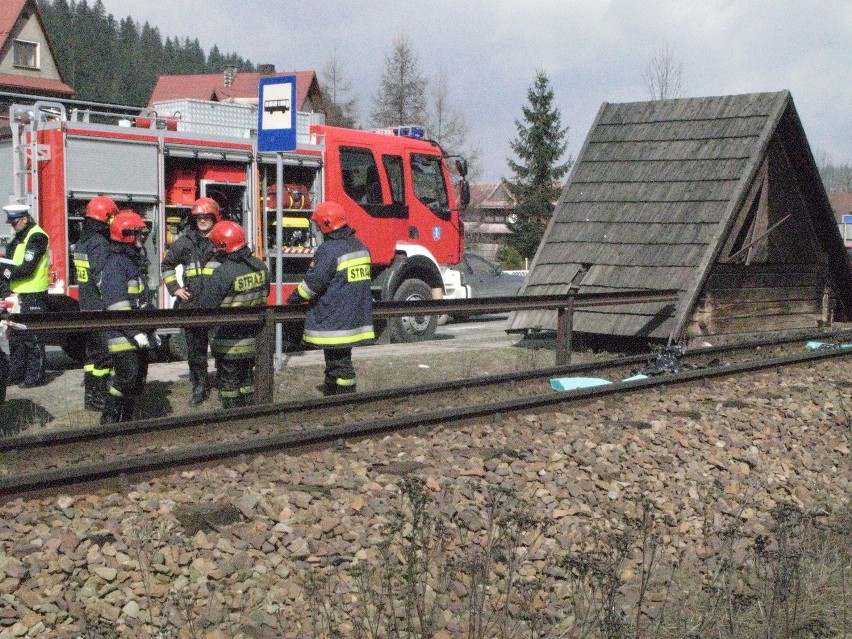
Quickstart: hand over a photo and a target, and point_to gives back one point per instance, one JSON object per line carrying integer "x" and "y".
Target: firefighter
{"x": 194, "y": 252}
{"x": 123, "y": 289}
{"x": 240, "y": 280}
{"x": 90, "y": 254}
{"x": 340, "y": 304}
{"x": 28, "y": 277}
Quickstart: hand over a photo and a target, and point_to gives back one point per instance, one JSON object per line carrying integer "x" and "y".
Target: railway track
{"x": 62, "y": 459}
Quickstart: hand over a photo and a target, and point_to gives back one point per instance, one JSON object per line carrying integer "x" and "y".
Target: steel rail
{"x": 44, "y": 480}
{"x": 160, "y": 424}
{"x": 22, "y": 443}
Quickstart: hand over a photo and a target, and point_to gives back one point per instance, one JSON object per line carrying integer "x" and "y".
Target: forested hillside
{"x": 118, "y": 61}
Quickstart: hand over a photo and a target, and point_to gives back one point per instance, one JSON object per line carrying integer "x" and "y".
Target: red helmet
{"x": 330, "y": 216}
{"x": 101, "y": 208}
{"x": 227, "y": 237}
{"x": 126, "y": 225}
{"x": 207, "y": 206}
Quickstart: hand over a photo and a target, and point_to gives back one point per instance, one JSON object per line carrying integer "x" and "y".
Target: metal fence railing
{"x": 268, "y": 316}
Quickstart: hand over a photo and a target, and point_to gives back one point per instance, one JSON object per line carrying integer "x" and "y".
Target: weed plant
{"x": 444, "y": 573}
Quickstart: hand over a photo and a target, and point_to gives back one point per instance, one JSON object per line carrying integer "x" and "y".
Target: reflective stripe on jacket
{"x": 90, "y": 255}
{"x": 123, "y": 288}
{"x": 240, "y": 280}
{"x": 337, "y": 286}
{"x": 194, "y": 253}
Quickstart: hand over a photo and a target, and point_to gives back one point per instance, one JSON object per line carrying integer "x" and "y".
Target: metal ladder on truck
{"x": 27, "y": 152}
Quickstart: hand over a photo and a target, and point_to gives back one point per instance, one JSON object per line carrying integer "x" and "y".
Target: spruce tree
{"x": 537, "y": 173}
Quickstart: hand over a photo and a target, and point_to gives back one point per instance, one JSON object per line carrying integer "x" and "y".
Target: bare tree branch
{"x": 663, "y": 75}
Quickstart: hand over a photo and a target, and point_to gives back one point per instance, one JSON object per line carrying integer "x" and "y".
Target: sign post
{"x": 276, "y": 132}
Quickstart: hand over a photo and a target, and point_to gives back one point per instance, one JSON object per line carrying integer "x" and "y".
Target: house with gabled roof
{"x": 485, "y": 217}
{"x": 718, "y": 198}
{"x": 236, "y": 86}
{"x": 27, "y": 61}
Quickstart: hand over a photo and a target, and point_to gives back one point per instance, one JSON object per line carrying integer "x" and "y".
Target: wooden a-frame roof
{"x": 652, "y": 197}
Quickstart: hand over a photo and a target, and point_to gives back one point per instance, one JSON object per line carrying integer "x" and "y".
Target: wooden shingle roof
{"x": 649, "y": 201}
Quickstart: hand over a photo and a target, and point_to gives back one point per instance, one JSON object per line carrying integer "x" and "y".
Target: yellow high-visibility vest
{"x": 39, "y": 280}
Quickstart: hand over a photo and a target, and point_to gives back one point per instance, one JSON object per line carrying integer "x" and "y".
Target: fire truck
{"x": 394, "y": 184}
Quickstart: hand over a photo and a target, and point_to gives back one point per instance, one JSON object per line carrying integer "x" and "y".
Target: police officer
{"x": 194, "y": 252}
{"x": 90, "y": 254}
{"x": 124, "y": 289}
{"x": 337, "y": 290}
{"x": 240, "y": 280}
{"x": 27, "y": 276}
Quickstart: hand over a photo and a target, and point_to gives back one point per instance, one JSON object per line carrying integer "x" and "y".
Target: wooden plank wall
{"x": 740, "y": 299}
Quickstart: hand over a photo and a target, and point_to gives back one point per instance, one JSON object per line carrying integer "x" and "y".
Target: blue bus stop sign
{"x": 276, "y": 114}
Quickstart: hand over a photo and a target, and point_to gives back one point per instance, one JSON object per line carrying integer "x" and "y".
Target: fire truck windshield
{"x": 429, "y": 185}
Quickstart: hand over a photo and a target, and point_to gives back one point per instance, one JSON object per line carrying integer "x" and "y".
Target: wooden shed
{"x": 717, "y": 197}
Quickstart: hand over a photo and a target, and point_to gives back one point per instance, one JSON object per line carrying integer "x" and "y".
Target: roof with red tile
{"x": 211, "y": 86}
{"x": 10, "y": 11}
{"x": 26, "y": 84}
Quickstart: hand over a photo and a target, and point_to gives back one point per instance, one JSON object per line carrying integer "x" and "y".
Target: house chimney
{"x": 266, "y": 69}
{"x": 230, "y": 71}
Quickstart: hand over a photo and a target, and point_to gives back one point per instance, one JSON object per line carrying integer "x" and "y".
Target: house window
{"x": 26, "y": 54}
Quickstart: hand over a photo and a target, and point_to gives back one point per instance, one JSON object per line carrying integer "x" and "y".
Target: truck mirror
{"x": 464, "y": 193}
{"x": 461, "y": 167}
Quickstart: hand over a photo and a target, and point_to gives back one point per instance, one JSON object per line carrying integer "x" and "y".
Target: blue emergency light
{"x": 411, "y": 132}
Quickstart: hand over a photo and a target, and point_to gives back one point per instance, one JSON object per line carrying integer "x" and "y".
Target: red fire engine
{"x": 395, "y": 187}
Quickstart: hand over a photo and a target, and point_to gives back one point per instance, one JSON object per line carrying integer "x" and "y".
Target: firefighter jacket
{"x": 239, "y": 280}
{"x": 194, "y": 252}
{"x": 90, "y": 255}
{"x": 29, "y": 252}
{"x": 123, "y": 289}
{"x": 337, "y": 288}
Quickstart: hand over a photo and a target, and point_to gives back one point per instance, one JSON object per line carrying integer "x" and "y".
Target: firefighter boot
{"x": 112, "y": 409}
{"x": 229, "y": 399}
{"x": 199, "y": 393}
{"x": 328, "y": 388}
{"x": 200, "y": 390}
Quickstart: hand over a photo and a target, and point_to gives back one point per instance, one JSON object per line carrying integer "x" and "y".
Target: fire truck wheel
{"x": 413, "y": 328}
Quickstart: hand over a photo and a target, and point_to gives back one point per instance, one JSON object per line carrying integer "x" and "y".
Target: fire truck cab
{"x": 396, "y": 190}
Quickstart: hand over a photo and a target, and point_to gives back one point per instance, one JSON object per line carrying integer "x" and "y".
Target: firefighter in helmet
{"x": 240, "y": 280}
{"x": 124, "y": 289}
{"x": 28, "y": 277}
{"x": 194, "y": 252}
{"x": 337, "y": 291}
{"x": 90, "y": 254}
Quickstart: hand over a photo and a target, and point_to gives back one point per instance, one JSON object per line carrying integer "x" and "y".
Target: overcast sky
{"x": 593, "y": 51}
